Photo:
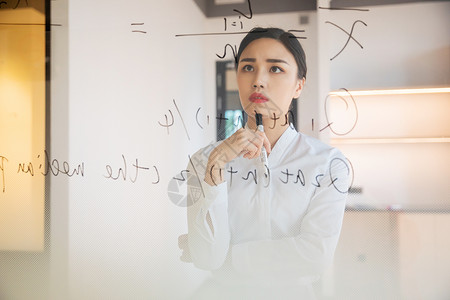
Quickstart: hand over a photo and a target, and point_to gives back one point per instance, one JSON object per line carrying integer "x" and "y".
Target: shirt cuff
{"x": 214, "y": 194}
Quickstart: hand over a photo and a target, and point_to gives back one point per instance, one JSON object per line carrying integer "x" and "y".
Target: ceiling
{"x": 215, "y": 8}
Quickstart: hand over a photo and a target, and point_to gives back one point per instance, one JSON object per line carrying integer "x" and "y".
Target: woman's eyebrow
{"x": 269, "y": 60}
{"x": 276, "y": 60}
{"x": 248, "y": 59}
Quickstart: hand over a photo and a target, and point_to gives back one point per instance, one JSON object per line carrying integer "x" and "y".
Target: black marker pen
{"x": 263, "y": 156}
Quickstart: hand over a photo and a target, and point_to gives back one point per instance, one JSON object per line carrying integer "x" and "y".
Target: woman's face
{"x": 267, "y": 78}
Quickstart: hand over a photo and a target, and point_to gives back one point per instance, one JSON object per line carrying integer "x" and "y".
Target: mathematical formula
{"x": 131, "y": 170}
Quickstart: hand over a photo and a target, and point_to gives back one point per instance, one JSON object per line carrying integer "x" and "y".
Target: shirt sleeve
{"x": 208, "y": 246}
{"x": 311, "y": 251}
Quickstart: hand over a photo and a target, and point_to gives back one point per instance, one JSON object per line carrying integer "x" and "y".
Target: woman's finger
{"x": 249, "y": 143}
{"x": 263, "y": 141}
{"x": 249, "y": 150}
{"x": 266, "y": 143}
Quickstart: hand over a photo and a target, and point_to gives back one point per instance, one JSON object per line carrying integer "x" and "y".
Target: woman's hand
{"x": 245, "y": 142}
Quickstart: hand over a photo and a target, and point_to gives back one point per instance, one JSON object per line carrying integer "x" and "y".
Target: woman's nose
{"x": 259, "y": 81}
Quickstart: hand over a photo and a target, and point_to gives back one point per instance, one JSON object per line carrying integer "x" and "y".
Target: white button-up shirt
{"x": 282, "y": 227}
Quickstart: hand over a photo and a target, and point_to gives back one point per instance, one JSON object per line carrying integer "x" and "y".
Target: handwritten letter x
{"x": 349, "y": 35}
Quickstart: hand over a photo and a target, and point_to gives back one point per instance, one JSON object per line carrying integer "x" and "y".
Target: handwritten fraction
{"x": 234, "y": 24}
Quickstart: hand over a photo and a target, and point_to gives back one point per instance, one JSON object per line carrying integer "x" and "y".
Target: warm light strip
{"x": 391, "y": 92}
{"x": 391, "y": 141}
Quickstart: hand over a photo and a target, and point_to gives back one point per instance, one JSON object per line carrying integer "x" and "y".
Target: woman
{"x": 266, "y": 231}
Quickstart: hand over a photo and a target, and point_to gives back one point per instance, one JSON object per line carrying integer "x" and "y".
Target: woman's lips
{"x": 257, "y": 98}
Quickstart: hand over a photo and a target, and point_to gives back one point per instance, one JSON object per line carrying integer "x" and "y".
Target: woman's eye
{"x": 276, "y": 69}
{"x": 247, "y": 68}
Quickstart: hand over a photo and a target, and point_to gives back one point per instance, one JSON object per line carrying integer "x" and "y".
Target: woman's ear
{"x": 299, "y": 87}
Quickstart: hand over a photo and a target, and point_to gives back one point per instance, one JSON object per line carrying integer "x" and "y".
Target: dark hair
{"x": 286, "y": 38}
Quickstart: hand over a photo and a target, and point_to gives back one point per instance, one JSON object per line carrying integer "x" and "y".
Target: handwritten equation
{"x": 130, "y": 171}
{"x": 43, "y": 165}
{"x": 237, "y": 23}
{"x": 240, "y": 25}
{"x": 202, "y": 120}
{"x": 169, "y": 119}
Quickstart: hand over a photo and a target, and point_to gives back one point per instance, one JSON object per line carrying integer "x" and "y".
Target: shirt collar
{"x": 283, "y": 143}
